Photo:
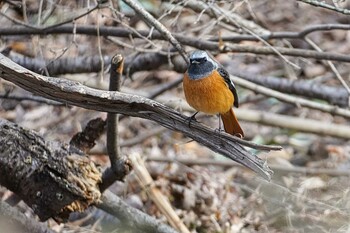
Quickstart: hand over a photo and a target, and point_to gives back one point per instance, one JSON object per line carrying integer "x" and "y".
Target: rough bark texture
{"x": 85, "y": 140}
{"x": 50, "y": 177}
{"x": 79, "y": 95}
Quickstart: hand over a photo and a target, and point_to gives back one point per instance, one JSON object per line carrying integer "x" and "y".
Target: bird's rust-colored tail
{"x": 231, "y": 124}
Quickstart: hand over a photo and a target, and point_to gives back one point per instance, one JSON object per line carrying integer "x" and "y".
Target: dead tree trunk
{"x": 52, "y": 178}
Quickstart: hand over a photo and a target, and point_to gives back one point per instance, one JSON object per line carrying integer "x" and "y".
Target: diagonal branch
{"x": 13, "y": 217}
{"x": 77, "y": 94}
{"x": 131, "y": 217}
{"x": 149, "y": 19}
{"x": 326, "y": 6}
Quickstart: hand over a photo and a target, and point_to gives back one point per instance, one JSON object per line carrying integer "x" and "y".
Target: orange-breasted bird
{"x": 209, "y": 89}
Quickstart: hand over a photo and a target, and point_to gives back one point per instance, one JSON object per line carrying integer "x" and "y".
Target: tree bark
{"x": 52, "y": 178}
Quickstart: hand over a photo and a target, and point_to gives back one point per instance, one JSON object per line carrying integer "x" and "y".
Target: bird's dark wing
{"x": 230, "y": 84}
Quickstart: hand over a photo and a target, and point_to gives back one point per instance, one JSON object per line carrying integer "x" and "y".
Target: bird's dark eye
{"x": 204, "y": 59}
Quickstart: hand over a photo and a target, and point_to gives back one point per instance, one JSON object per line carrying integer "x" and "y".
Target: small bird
{"x": 209, "y": 89}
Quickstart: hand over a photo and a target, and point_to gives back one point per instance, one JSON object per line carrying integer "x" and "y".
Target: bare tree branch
{"x": 286, "y": 35}
{"x": 79, "y": 95}
{"x": 120, "y": 165}
{"x": 113, "y": 147}
{"x": 30, "y": 98}
{"x": 76, "y": 65}
{"x": 122, "y": 32}
{"x": 184, "y": 40}
{"x": 334, "y": 95}
{"x": 331, "y": 65}
{"x": 14, "y": 218}
{"x": 326, "y": 6}
{"x": 131, "y": 217}
{"x": 149, "y": 19}
{"x": 292, "y": 99}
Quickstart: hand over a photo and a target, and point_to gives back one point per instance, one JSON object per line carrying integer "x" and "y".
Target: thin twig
{"x": 72, "y": 19}
{"x": 251, "y": 32}
{"x": 40, "y": 12}
{"x": 160, "y": 27}
{"x": 331, "y": 65}
{"x": 164, "y": 87}
{"x": 157, "y": 197}
{"x": 18, "y": 22}
{"x": 100, "y": 49}
{"x": 326, "y": 6}
{"x": 142, "y": 137}
{"x": 32, "y": 98}
{"x": 271, "y": 191}
{"x": 228, "y": 164}
{"x": 285, "y": 51}
{"x": 53, "y": 5}
{"x": 132, "y": 141}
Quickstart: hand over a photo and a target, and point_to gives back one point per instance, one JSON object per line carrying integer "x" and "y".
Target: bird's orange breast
{"x": 210, "y": 94}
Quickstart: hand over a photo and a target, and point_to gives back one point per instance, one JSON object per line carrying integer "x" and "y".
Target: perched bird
{"x": 209, "y": 89}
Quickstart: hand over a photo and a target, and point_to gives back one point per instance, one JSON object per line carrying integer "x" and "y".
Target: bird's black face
{"x": 200, "y": 65}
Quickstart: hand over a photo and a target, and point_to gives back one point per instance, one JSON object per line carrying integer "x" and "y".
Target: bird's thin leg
{"x": 220, "y": 122}
{"x": 192, "y": 118}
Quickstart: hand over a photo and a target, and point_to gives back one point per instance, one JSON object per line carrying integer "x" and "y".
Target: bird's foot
{"x": 192, "y": 118}
{"x": 219, "y": 130}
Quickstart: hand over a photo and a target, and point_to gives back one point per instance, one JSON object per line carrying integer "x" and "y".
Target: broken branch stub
{"x": 48, "y": 176}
